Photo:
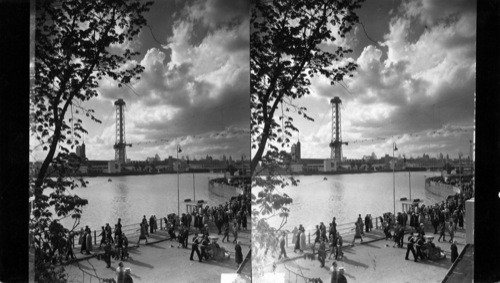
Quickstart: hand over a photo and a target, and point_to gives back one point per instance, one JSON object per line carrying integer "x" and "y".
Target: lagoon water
{"x": 314, "y": 199}
{"x": 131, "y": 197}
{"x": 345, "y": 196}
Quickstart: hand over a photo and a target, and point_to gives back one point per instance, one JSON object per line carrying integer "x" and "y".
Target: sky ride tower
{"x": 120, "y": 143}
{"x": 336, "y": 133}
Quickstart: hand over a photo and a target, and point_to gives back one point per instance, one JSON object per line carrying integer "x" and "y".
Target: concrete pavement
{"x": 161, "y": 261}
{"x": 375, "y": 260}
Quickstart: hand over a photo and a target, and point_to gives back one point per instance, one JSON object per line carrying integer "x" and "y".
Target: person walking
{"x": 454, "y": 251}
{"x": 88, "y": 245}
{"x": 367, "y": 223}
{"x": 120, "y": 273}
{"x": 334, "y": 272}
{"x": 124, "y": 254}
{"x": 204, "y": 246}
{"x": 103, "y": 237}
{"x": 411, "y": 242}
{"x": 82, "y": 241}
{"x": 451, "y": 230}
{"x": 333, "y": 245}
{"x": 297, "y": 241}
{"x": 357, "y": 234}
{"x": 282, "y": 246}
{"x": 128, "y": 277}
{"x": 185, "y": 237}
{"x": 322, "y": 253}
{"x": 340, "y": 243}
{"x": 107, "y": 254}
{"x": 442, "y": 232}
{"x": 151, "y": 224}
{"x": 194, "y": 248}
{"x": 235, "y": 232}
{"x": 341, "y": 277}
{"x": 180, "y": 237}
{"x": 303, "y": 240}
{"x": 294, "y": 235}
{"x": 238, "y": 254}
{"x": 143, "y": 231}
{"x": 226, "y": 232}
{"x": 317, "y": 239}
{"x": 69, "y": 247}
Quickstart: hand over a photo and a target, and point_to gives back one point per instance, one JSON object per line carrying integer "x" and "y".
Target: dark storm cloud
{"x": 226, "y": 109}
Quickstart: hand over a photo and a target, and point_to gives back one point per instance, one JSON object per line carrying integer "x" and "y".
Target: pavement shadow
{"x": 228, "y": 263}
{"x": 156, "y": 246}
{"x": 443, "y": 263}
{"x": 134, "y": 251}
{"x": 139, "y": 263}
{"x": 355, "y": 263}
{"x": 135, "y": 276}
{"x": 349, "y": 276}
{"x": 371, "y": 246}
{"x": 348, "y": 250}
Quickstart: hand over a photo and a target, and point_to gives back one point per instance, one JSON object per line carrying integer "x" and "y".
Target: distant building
{"x": 295, "y": 152}
{"x": 80, "y": 151}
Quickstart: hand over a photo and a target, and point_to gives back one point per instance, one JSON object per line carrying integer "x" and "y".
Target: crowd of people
{"x": 445, "y": 217}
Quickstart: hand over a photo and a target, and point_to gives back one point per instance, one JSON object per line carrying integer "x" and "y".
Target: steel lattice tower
{"x": 336, "y": 141}
{"x": 120, "y": 144}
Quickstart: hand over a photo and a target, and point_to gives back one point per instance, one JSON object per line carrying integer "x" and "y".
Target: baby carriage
{"x": 215, "y": 251}
{"x": 430, "y": 251}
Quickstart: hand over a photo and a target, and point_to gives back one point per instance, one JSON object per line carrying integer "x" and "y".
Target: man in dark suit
{"x": 238, "y": 253}
{"x": 282, "y": 247}
{"x": 411, "y": 242}
{"x": 194, "y": 248}
{"x": 454, "y": 251}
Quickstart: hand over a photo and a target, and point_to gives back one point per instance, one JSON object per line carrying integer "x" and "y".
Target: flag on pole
{"x": 179, "y": 150}
{"x": 395, "y": 147}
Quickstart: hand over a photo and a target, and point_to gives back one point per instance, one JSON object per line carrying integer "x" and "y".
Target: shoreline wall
{"x": 223, "y": 190}
{"x": 440, "y": 189}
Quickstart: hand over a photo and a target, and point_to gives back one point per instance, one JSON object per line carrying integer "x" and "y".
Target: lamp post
{"x": 178, "y": 194}
{"x": 394, "y": 148}
{"x": 409, "y": 174}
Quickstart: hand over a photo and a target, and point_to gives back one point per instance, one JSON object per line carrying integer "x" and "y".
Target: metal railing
{"x": 343, "y": 229}
{"x": 130, "y": 230}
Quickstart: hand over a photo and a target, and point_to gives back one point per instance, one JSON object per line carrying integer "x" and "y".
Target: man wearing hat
{"x": 411, "y": 242}
{"x": 128, "y": 277}
{"x": 334, "y": 272}
{"x": 341, "y": 277}
{"x": 204, "y": 245}
{"x": 120, "y": 273}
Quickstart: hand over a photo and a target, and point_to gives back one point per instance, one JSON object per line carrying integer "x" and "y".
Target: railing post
{"x": 161, "y": 226}
{"x": 95, "y": 238}
{"x": 309, "y": 237}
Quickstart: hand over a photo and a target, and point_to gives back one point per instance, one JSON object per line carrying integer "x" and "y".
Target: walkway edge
{"x": 454, "y": 265}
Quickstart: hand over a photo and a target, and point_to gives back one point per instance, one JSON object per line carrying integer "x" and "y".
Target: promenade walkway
{"x": 375, "y": 260}
{"x": 161, "y": 261}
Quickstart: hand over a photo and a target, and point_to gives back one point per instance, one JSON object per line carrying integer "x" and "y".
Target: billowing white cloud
{"x": 420, "y": 79}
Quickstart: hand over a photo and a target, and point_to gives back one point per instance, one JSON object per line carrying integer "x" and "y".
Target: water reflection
{"x": 131, "y": 197}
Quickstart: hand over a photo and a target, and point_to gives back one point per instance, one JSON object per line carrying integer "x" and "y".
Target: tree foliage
{"x": 77, "y": 44}
{"x": 291, "y": 41}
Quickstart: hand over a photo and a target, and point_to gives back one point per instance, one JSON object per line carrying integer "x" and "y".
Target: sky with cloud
{"x": 194, "y": 90}
{"x": 414, "y": 84}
